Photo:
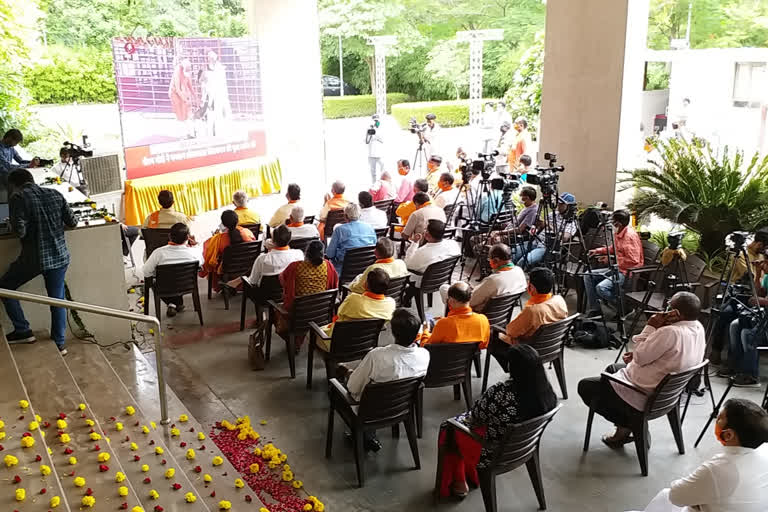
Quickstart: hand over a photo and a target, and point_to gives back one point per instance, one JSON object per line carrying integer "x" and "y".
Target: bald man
{"x": 462, "y": 325}
{"x": 672, "y": 341}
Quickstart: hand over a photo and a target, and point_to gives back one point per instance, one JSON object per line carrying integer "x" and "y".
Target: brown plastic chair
{"x": 396, "y": 289}
{"x": 236, "y": 260}
{"x": 549, "y": 342}
{"x": 269, "y": 289}
{"x": 385, "y": 404}
{"x": 519, "y": 446}
{"x": 498, "y": 311}
{"x": 254, "y": 228}
{"x": 432, "y": 278}
{"x": 317, "y": 308}
{"x": 664, "y": 400}
{"x": 355, "y": 262}
{"x": 154, "y": 238}
{"x": 350, "y": 341}
{"x": 334, "y": 217}
{"x": 385, "y": 205}
{"x": 381, "y": 232}
{"x": 301, "y": 243}
{"x": 450, "y": 364}
{"x": 174, "y": 280}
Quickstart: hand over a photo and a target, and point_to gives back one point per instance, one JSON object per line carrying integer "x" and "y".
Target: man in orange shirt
{"x": 521, "y": 144}
{"x": 541, "y": 309}
{"x": 461, "y": 325}
{"x": 332, "y": 202}
{"x": 406, "y": 209}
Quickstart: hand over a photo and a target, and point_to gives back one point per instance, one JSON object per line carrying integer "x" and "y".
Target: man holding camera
{"x": 430, "y": 135}
{"x": 375, "y": 148}
{"x": 564, "y": 229}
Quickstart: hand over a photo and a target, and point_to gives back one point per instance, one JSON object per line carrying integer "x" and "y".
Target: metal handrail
{"x": 114, "y": 313}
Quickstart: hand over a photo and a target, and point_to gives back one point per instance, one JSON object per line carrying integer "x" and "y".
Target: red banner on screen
{"x": 188, "y": 102}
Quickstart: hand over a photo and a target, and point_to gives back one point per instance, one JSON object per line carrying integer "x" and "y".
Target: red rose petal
{"x": 21, "y": 417}
{"x": 62, "y": 416}
{"x": 89, "y": 492}
{"x": 136, "y": 424}
{"x": 1, "y": 448}
{"x": 136, "y": 458}
{"x": 213, "y": 494}
{"x": 147, "y": 480}
{"x": 198, "y": 469}
{"x": 152, "y": 442}
{"x": 68, "y": 451}
{"x": 103, "y": 468}
{"x": 162, "y": 462}
{"x": 124, "y": 506}
{"x": 112, "y": 418}
{"x": 176, "y": 487}
{"x": 43, "y": 490}
{"x": 26, "y": 434}
{"x": 158, "y": 508}
{"x": 38, "y": 458}
{"x": 192, "y": 429}
{"x": 183, "y": 444}
{"x": 96, "y": 448}
{"x": 16, "y": 479}
{"x": 248, "y": 498}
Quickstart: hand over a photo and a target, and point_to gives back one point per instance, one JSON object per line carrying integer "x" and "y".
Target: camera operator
{"x": 431, "y": 135}
{"x": 66, "y": 168}
{"x": 563, "y": 221}
{"x": 729, "y": 311}
{"x": 9, "y": 157}
{"x": 375, "y": 147}
{"x": 629, "y": 254}
{"x": 525, "y": 219}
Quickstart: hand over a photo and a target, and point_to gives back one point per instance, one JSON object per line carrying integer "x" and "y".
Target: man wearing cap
{"x": 430, "y": 135}
{"x": 556, "y": 221}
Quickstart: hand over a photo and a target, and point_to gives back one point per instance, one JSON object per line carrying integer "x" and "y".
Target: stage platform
{"x": 200, "y": 190}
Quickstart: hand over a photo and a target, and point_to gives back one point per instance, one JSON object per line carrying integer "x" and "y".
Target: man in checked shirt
{"x": 38, "y": 217}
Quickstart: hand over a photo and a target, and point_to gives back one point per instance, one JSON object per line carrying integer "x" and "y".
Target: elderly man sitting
{"x": 446, "y": 194}
{"x": 297, "y": 226}
{"x": 348, "y": 236}
{"x": 369, "y": 214}
{"x": 419, "y": 257}
{"x": 383, "y": 189}
{"x": 461, "y": 325}
{"x": 244, "y": 214}
{"x": 333, "y": 201}
{"x": 425, "y": 211}
{"x": 385, "y": 252}
{"x": 671, "y": 342}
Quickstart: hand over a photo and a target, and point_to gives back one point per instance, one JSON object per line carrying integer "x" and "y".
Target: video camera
{"x": 416, "y": 127}
{"x": 485, "y": 164}
{"x": 76, "y": 151}
{"x": 546, "y": 177}
{"x": 372, "y": 128}
{"x": 675, "y": 239}
{"x": 736, "y": 241}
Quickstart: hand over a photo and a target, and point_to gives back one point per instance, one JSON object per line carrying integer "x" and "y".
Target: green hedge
{"x": 449, "y": 113}
{"x": 67, "y": 76}
{"x": 336, "y": 107}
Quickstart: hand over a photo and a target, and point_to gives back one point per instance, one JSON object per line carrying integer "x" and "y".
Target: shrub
{"x": 68, "y": 76}
{"x": 449, "y": 113}
{"x": 336, "y": 107}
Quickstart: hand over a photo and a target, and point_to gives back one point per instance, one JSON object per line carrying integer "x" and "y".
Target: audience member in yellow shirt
{"x": 244, "y": 214}
{"x": 284, "y": 212}
{"x": 385, "y": 252}
{"x": 166, "y": 216}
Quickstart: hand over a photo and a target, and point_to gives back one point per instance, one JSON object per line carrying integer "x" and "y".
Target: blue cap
{"x": 568, "y": 198}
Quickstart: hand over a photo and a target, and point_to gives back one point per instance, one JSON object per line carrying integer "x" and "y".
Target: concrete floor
{"x": 208, "y": 370}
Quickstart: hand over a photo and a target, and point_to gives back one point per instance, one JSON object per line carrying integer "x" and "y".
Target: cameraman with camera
{"x": 430, "y": 135}
{"x": 562, "y": 221}
{"x": 375, "y": 147}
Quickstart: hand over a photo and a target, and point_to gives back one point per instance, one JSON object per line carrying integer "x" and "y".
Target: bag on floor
{"x": 256, "y": 350}
{"x": 590, "y": 334}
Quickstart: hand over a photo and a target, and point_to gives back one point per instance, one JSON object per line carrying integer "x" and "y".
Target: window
{"x": 750, "y": 84}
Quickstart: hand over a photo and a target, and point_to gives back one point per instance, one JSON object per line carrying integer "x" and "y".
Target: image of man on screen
{"x": 216, "y": 95}
{"x": 183, "y": 97}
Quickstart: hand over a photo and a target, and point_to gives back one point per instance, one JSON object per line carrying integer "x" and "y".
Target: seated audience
{"x": 436, "y": 248}
{"x": 371, "y": 304}
{"x": 293, "y": 195}
{"x": 541, "y": 309}
{"x": 280, "y": 255}
{"x": 177, "y": 251}
{"x": 246, "y": 215}
{"x": 527, "y": 394}
{"x": 446, "y": 193}
{"x": 399, "y": 360}
{"x": 490, "y": 204}
{"x": 166, "y": 216}
{"x": 405, "y": 190}
{"x": 434, "y": 172}
{"x": 383, "y": 189}
{"x": 313, "y": 275}
{"x": 629, "y": 254}
{"x": 385, "y": 252}
{"x": 425, "y": 211}
{"x": 369, "y": 214}
{"x": 537, "y": 251}
{"x": 406, "y": 209}
{"x": 335, "y": 201}
{"x": 670, "y": 342}
{"x": 743, "y": 359}
{"x": 298, "y": 228}
{"x": 213, "y": 248}
{"x": 509, "y": 235}
{"x": 462, "y": 325}
{"x": 506, "y": 279}
{"x": 524, "y": 167}
{"x": 350, "y": 235}
{"x": 733, "y": 480}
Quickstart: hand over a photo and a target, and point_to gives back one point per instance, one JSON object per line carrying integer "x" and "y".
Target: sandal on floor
{"x": 611, "y": 442}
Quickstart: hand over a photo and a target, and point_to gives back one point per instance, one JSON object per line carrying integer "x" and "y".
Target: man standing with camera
{"x": 375, "y": 147}
{"x": 430, "y": 135}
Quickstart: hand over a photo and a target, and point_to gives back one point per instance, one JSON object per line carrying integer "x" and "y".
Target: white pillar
{"x": 475, "y": 82}
{"x": 591, "y": 95}
{"x": 288, "y": 32}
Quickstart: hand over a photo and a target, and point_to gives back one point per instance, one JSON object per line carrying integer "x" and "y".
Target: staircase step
{"x": 52, "y": 390}
{"x": 90, "y": 358}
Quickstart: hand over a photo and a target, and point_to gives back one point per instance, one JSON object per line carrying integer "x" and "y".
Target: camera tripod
{"x": 727, "y": 298}
{"x": 420, "y": 158}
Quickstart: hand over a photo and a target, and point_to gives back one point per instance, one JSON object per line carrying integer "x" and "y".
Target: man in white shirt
{"x": 280, "y": 255}
{"x": 177, "y": 251}
{"x": 369, "y": 214}
{"x": 418, "y": 258}
{"x": 298, "y": 228}
{"x": 671, "y": 342}
{"x": 400, "y": 360}
{"x": 431, "y": 143}
{"x": 446, "y": 193}
{"x": 66, "y": 169}
{"x": 734, "y": 480}
{"x": 375, "y": 148}
{"x": 506, "y": 279}
{"x": 425, "y": 212}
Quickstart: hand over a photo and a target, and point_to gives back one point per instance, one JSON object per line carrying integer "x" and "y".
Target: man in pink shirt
{"x": 671, "y": 342}
{"x": 405, "y": 190}
{"x": 629, "y": 254}
{"x": 383, "y": 189}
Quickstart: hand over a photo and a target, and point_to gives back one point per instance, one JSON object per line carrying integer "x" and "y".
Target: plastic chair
{"x": 174, "y": 280}
{"x": 432, "y": 278}
{"x": 236, "y": 260}
{"x": 269, "y": 289}
{"x": 154, "y": 238}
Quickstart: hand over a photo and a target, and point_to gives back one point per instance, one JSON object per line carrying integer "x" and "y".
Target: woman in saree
{"x": 214, "y": 246}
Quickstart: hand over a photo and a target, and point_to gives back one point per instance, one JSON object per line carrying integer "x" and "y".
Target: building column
{"x": 591, "y": 95}
{"x": 288, "y": 32}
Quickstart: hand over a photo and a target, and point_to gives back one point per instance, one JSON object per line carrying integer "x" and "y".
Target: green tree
{"x": 524, "y": 97}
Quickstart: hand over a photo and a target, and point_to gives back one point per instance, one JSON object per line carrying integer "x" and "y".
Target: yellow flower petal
{"x": 130, "y": 410}
{"x": 190, "y": 497}
{"x": 217, "y": 461}
{"x": 81, "y": 407}
{"x": 183, "y": 418}
{"x": 79, "y": 481}
{"x": 88, "y": 501}
{"x": 119, "y": 476}
{"x": 21, "y": 494}
{"x": 239, "y": 483}
{"x": 45, "y": 470}
{"x": 169, "y": 473}
{"x": 55, "y": 502}
{"x": 104, "y": 457}
{"x": 207, "y": 478}
{"x": 23, "y": 404}
{"x": 159, "y": 450}
{"x": 144, "y": 468}
{"x": 122, "y": 491}
{"x": 119, "y": 426}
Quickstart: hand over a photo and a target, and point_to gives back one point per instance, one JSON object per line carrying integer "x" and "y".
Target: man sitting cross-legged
{"x": 400, "y": 360}
{"x": 425, "y": 212}
{"x": 671, "y": 342}
{"x": 461, "y": 325}
{"x": 177, "y": 251}
{"x": 385, "y": 252}
{"x": 371, "y": 304}
{"x": 506, "y": 279}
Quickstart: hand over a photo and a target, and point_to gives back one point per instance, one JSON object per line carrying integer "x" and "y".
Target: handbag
{"x": 256, "y": 350}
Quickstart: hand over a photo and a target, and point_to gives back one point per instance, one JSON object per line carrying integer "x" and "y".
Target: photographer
{"x": 375, "y": 148}
{"x": 9, "y": 157}
{"x": 431, "y": 135}
{"x": 629, "y": 254}
{"x": 558, "y": 221}
{"x": 65, "y": 168}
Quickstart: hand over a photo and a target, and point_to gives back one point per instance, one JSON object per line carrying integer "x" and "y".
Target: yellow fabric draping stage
{"x": 200, "y": 190}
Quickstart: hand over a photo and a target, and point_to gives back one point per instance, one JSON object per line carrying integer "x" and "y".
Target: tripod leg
{"x": 715, "y": 411}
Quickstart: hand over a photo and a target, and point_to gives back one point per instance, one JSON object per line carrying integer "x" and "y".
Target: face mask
{"x": 403, "y": 171}
{"x": 719, "y": 434}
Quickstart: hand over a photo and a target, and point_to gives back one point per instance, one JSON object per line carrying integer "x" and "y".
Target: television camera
{"x": 76, "y": 151}
{"x": 372, "y": 128}
{"x": 546, "y": 177}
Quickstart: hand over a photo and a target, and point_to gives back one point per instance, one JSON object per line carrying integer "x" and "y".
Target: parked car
{"x": 332, "y": 86}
